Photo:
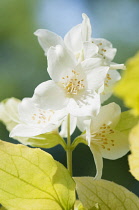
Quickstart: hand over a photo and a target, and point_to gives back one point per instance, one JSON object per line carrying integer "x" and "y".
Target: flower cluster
{"x": 82, "y": 77}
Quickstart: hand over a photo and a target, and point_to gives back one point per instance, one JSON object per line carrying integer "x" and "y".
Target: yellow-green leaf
{"x": 32, "y": 180}
{"x": 107, "y": 194}
{"x": 134, "y": 157}
{"x": 127, "y": 121}
{"x": 128, "y": 87}
{"x": 78, "y": 205}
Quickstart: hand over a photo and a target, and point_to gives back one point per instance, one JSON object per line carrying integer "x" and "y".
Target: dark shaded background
{"x": 23, "y": 64}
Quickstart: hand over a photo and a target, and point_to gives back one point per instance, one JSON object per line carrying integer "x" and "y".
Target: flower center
{"x": 101, "y": 137}
{"x": 72, "y": 85}
{"x": 42, "y": 116}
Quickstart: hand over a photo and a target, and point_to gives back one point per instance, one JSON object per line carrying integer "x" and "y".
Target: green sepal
{"x": 78, "y": 140}
{"x": 47, "y": 140}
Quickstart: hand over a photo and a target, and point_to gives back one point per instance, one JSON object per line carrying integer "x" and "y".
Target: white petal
{"x": 104, "y": 97}
{"x": 90, "y": 49}
{"x": 86, "y": 28}
{"x": 82, "y": 125}
{"x": 73, "y": 122}
{"x": 48, "y": 95}
{"x": 73, "y": 39}
{"x": 60, "y": 62}
{"x": 77, "y": 35}
{"x": 102, "y": 42}
{"x": 109, "y": 115}
{"x": 84, "y": 105}
{"x": 98, "y": 160}
{"x": 110, "y": 53}
{"x": 112, "y": 77}
{"x": 26, "y": 108}
{"x": 9, "y": 113}
{"x": 47, "y": 39}
{"x": 23, "y": 130}
{"x": 95, "y": 75}
{"x": 105, "y": 48}
{"x": 10, "y": 110}
{"x": 91, "y": 63}
{"x": 116, "y": 147}
{"x": 114, "y": 66}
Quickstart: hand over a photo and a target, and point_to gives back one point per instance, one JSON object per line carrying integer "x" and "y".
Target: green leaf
{"x": 127, "y": 88}
{"x": 32, "y": 179}
{"x": 78, "y": 140}
{"x": 47, "y": 140}
{"x": 107, "y": 194}
{"x": 127, "y": 122}
{"x": 78, "y": 205}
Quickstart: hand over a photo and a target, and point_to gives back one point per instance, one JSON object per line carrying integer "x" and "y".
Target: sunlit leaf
{"x": 32, "y": 179}
{"x": 107, "y": 194}
{"x": 127, "y": 121}
{"x": 128, "y": 88}
{"x": 78, "y": 205}
{"x": 134, "y": 157}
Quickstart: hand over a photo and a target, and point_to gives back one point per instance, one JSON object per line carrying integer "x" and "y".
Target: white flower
{"x": 9, "y": 112}
{"x": 77, "y": 40}
{"x": 34, "y": 121}
{"x": 80, "y": 42}
{"x": 111, "y": 78}
{"x": 73, "y": 85}
{"x": 10, "y": 117}
{"x": 28, "y": 124}
{"x": 103, "y": 138}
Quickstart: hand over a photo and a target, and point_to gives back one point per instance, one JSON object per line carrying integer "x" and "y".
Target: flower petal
{"x": 90, "y": 49}
{"x": 83, "y": 123}
{"x": 86, "y": 28}
{"x": 95, "y": 75}
{"x": 109, "y": 115}
{"x": 98, "y": 160}
{"x": 84, "y": 105}
{"x": 105, "y": 96}
{"x": 102, "y": 42}
{"x": 48, "y": 95}
{"x": 60, "y": 62}
{"x": 26, "y": 108}
{"x": 9, "y": 112}
{"x": 23, "y": 130}
{"x": 77, "y": 35}
{"x": 73, "y": 39}
{"x": 47, "y": 39}
{"x": 117, "y": 145}
{"x": 110, "y": 53}
{"x": 91, "y": 63}
{"x": 73, "y": 122}
{"x": 105, "y": 48}
{"x": 112, "y": 77}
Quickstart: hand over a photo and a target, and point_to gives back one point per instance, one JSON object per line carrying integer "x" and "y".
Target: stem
{"x": 69, "y": 150}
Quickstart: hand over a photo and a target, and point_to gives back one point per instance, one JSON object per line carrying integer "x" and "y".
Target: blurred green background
{"x": 23, "y": 64}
